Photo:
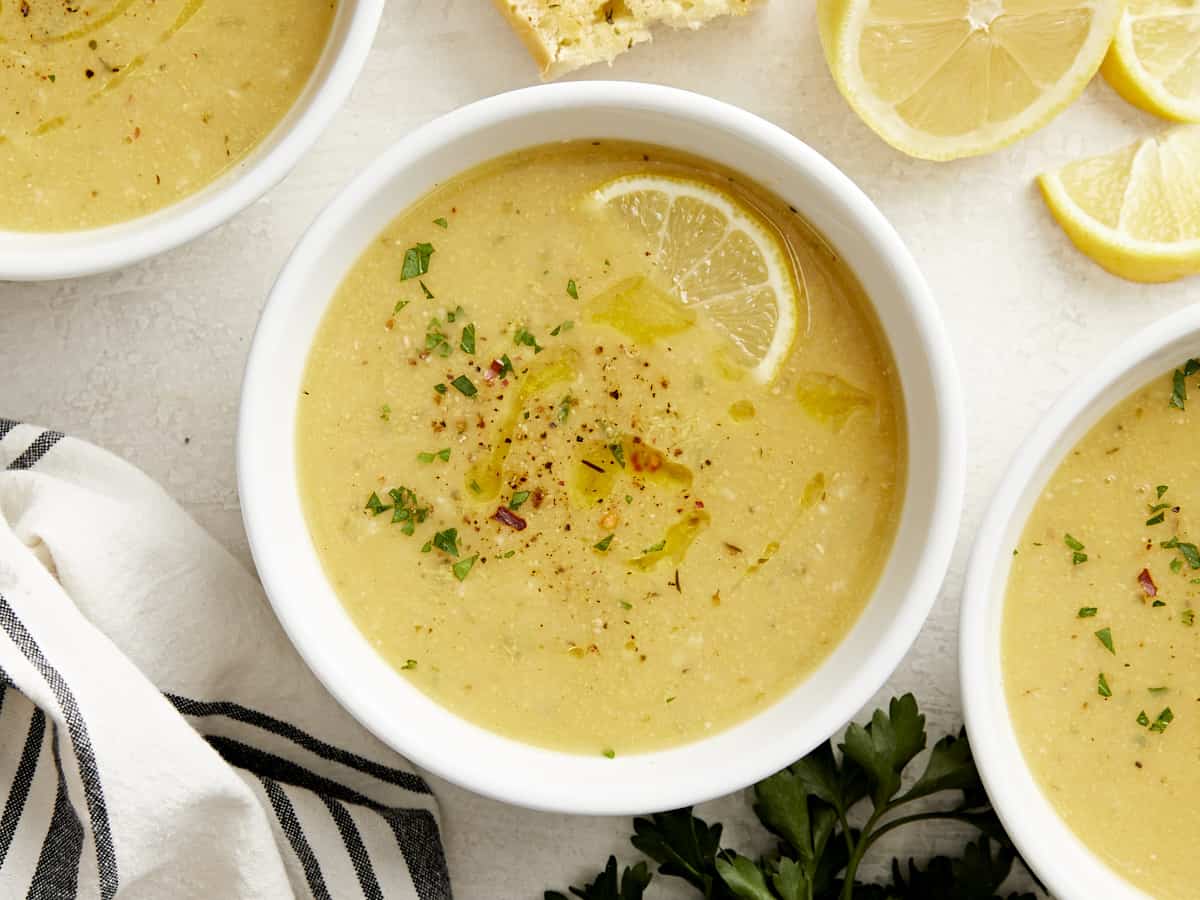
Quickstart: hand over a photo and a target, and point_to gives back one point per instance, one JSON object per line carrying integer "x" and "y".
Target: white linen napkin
{"x": 159, "y": 737}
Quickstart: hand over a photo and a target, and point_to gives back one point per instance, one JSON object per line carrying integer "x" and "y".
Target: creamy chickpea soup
{"x": 557, "y": 492}
{"x": 1100, "y": 645}
{"x": 112, "y": 109}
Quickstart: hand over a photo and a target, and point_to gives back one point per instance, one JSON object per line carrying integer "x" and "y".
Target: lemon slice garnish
{"x": 1154, "y": 61}
{"x": 718, "y": 257}
{"x": 1136, "y": 211}
{"x": 942, "y": 79}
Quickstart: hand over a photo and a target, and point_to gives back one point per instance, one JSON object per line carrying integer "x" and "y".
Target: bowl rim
{"x": 107, "y": 248}
{"x": 922, "y": 588}
{"x": 1064, "y": 863}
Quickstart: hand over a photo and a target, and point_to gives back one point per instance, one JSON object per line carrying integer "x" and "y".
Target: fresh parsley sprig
{"x": 817, "y": 808}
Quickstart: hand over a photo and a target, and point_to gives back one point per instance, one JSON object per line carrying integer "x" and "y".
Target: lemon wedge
{"x": 1136, "y": 212}
{"x": 718, "y": 257}
{"x": 1154, "y": 61}
{"x": 942, "y": 79}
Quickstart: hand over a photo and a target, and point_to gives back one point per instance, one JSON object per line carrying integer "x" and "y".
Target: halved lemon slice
{"x": 1154, "y": 61}
{"x": 942, "y": 79}
{"x": 719, "y": 257}
{"x": 1136, "y": 212}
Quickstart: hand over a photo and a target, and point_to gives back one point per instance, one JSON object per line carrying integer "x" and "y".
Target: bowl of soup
{"x": 1079, "y": 653}
{"x": 600, "y": 448}
{"x": 128, "y": 128}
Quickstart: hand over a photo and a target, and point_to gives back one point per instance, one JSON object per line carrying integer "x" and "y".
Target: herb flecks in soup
{"x": 1101, "y": 650}
{"x": 111, "y": 109}
{"x": 557, "y": 496}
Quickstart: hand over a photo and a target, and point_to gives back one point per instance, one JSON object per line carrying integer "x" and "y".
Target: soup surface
{"x": 648, "y": 544}
{"x": 1101, "y": 650}
{"x": 112, "y": 109}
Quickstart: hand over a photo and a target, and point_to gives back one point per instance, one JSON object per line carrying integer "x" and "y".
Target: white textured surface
{"x": 147, "y": 362}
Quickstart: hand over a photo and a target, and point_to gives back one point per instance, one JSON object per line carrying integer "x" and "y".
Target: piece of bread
{"x": 564, "y": 35}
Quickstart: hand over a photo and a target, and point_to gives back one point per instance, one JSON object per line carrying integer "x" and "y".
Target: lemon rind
{"x": 1123, "y": 70}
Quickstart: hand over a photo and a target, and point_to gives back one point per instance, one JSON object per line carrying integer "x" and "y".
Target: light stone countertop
{"x": 147, "y": 362}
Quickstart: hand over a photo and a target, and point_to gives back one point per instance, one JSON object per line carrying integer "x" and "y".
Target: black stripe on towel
{"x": 81, "y": 742}
{"x": 355, "y": 848}
{"x": 34, "y": 452}
{"x": 239, "y": 713}
{"x": 290, "y": 825}
{"x": 416, "y": 830}
{"x": 22, "y": 780}
{"x": 7, "y": 425}
{"x": 57, "y": 873}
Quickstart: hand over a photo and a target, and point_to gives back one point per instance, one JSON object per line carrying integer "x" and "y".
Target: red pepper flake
{"x": 506, "y": 516}
{"x": 699, "y": 504}
{"x": 538, "y": 497}
{"x": 1149, "y": 588}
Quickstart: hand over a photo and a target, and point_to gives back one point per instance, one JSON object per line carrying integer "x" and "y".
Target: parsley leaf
{"x": 1102, "y": 687}
{"x": 416, "y": 261}
{"x": 1086, "y": 612}
{"x": 523, "y": 337}
{"x": 573, "y": 289}
{"x": 1104, "y": 635}
{"x": 561, "y": 327}
{"x": 518, "y": 498}
{"x": 1178, "y": 390}
{"x": 427, "y": 292}
{"x": 604, "y": 544}
{"x": 441, "y": 222}
{"x": 468, "y": 338}
{"x": 818, "y": 851}
{"x": 464, "y": 386}
{"x": 447, "y": 541}
{"x": 462, "y": 568}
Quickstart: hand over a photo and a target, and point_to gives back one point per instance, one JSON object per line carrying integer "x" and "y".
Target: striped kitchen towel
{"x": 159, "y": 737}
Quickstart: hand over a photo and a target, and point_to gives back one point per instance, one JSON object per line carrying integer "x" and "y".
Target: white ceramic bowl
{"x": 42, "y": 256}
{"x": 1067, "y": 867}
{"x": 382, "y": 699}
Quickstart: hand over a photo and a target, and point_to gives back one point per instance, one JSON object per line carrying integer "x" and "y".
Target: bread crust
{"x": 529, "y": 36}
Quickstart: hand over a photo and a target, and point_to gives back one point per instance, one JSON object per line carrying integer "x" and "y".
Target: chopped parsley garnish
{"x": 1165, "y": 718}
{"x": 1077, "y": 556}
{"x": 464, "y": 386}
{"x": 625, "y": 604}
{"x": 1160, "y": 490}
{"x": 506, "y": 366}
{"x": 453, "y": 314}
{"x": 1086, "y": 612}
{"x": 443, "y": 455}
{"x": 508, "y": 554}
{"x": 1102, "y": 687}
{"x": 1104, "y": 635}
{"x": 407, "y": 508}
{"x": 440, "y": 388}
{"x": 1176, "y": 566}
{"x": 1178, "y": 390}
{"x": 441, "y": 222}
{"x": 1191, "y": 554}
{"x": 1157, "y": 603}
{"x": 1191, "y": 367}
{"x": 447, "y": 541}
{"x": 1188, "y": 617}
{"x": 1157, "y": 690}
{"x": 657, "y": 547}
{"x": 474, "y": 486}
{"x": 400, "y": 304}
{"x": 609, "y": 753}
{"x": 427, "y": 292}
{"x": 1143, "y": 719}
{"x": 1156, "y": 519}
{"x": 628, "y": 498}
{"x": 468, "y": 338}
{"x": 564, "y": 408}
{"x": 385, "y": 412}
{"x": 416, "y": 261}
{"x": 409, "y": 664}
{"x": 518, "y": 498}
{"x": 462, "y": 568}
{"x": 573, "y": 289}
{"x": 523, "y": 337}
{"x": 427, "y": 547}
{"x": 435, "y": 339}
{"x": 561, "y": 327}
{"x": 604, "y": 544}
{"x": 375, "y": 505}
{"x": 618, "y": 453}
